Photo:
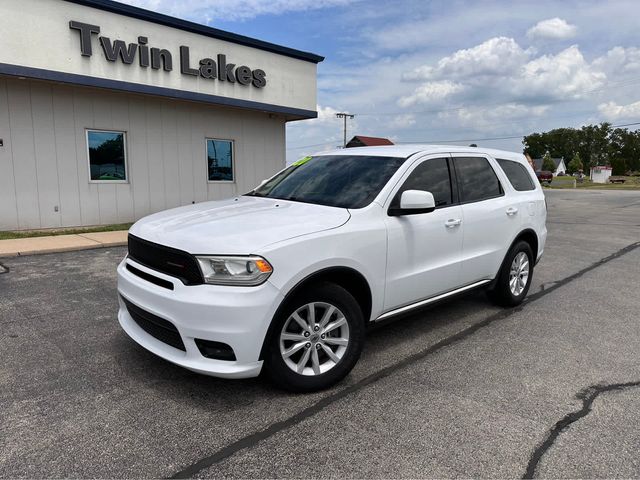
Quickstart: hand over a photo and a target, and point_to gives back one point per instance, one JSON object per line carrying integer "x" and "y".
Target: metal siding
{"x": 45, "y": 159}
{"x": 8, "y": 207}
{"x": 155, "y": 164}
{"x": 24, "y": 161}
{"x": 170, "y": 158}
{"x": 138, "y": 157}
{"x": 185, "y": 154}
{"x": 64, "y": 131}
{"x": 44, "y": 143}
{"x": 198, "y": 153}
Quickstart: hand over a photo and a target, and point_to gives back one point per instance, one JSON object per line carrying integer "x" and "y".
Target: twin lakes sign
{"x": 161, "y": 58}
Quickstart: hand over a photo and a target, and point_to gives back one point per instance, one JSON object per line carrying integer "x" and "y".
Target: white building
{"x": 560, "y": 167}
{"x": 110, "y": 112}
{"x": 600, "y": 174}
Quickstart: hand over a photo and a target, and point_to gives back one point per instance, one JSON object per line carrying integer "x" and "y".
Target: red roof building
{"x": 360, "y": 141}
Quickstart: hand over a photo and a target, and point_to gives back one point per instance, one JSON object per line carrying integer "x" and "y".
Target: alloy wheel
{"x": 314, "y": 338}
{"x": 519, "y": 273}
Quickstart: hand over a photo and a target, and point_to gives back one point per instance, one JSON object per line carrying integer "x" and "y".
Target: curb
{"x": 26, "y": 253}
{"x": 21, "y": 247}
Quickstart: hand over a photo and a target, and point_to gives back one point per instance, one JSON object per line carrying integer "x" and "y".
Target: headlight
{"x": 227, "y": 270}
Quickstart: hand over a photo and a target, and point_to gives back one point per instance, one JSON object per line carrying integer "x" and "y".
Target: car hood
{"x": 238, "y": 226}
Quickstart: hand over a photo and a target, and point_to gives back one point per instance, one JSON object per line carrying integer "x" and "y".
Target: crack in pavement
{"x": 588, "y": 396}
{"x": 253, "y": 439}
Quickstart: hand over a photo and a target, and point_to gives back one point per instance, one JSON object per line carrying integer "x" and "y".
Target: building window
{"x": 107, "y": 156}
{"x": 219, "y": 160}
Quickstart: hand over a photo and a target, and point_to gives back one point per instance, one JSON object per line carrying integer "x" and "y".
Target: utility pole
{"x": 345, "y": 116}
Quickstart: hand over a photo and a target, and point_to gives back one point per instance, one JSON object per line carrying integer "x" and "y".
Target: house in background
{"x": 561, "y": 168}
{"x": 360, "y": 141}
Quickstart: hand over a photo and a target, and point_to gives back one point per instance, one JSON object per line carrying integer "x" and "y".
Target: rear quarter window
{"x": 517, "y": 175}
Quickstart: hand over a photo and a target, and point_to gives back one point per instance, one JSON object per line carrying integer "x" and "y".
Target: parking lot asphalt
{"x": 548, "y": 389}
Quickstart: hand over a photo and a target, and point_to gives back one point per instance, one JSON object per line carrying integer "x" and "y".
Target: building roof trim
{"x": 85, "y": 80}
{"x": 166, "y": 20}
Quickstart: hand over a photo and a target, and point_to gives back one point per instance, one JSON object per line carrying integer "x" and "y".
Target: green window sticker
{"x": 302, "y": 161}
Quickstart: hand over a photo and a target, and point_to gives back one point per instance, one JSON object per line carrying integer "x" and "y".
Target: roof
{"x": 408, "y": 149}
{"x": 538, "y": 163}
{"x": 149, "y": 16}
{"x": 360, "y": 140}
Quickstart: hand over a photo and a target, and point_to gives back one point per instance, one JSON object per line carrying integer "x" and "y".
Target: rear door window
{"x": 517, "y": 175}
{"x": 431, "y": 176}
{"x": 476, "y": 179}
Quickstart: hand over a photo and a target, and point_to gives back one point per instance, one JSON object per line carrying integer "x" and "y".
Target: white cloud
{"x": 497, "y": 118}
{"x": 619, "y": 60}
{"x": 501, "y": 71}
{"x": 212, "y": 10}
{"x": 496, "y": 56}
{"x": 566, "y": 74}
{"x": 552, "y": 28}
{"x": 430, "y": 93}
{"x": 613, "y": 111}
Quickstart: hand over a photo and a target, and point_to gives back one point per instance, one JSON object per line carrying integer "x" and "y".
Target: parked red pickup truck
{"x": 544, "y": 176}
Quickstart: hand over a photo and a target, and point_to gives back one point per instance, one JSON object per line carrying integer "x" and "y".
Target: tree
{"x": 547, "y": 163}
{"x": 596, "y": 145}
{"x": 559, "y": 142}
{"x": 575, "y": 164}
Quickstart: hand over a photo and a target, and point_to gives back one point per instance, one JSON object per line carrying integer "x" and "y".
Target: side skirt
{"x": 422, "y": 303}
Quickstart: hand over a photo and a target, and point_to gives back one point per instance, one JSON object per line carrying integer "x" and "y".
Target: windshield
{"x": 332, "y": 180}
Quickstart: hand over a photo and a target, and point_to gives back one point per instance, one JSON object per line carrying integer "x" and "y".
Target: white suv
{"x": 289, "y": 276}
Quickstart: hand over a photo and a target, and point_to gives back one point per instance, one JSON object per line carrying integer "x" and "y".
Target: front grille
{"x": 170, "y": 261}
{"x": 157, "y": 327}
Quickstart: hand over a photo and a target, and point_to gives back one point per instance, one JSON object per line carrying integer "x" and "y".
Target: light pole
{"x": 344, "y": 116}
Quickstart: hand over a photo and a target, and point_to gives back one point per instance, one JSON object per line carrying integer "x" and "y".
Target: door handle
{"x": 512, "y": 211}
{"x": 452, "y": 222}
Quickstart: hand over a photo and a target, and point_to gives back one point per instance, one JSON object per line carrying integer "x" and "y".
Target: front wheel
{"x": 316, "y": 339}
{"x": 514, "y": 278}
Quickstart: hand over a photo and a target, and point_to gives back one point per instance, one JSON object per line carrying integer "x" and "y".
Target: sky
{"x": 458, "y": 72}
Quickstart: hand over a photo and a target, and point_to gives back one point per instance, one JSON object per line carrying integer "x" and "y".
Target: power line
{"x": 511, "y": 137}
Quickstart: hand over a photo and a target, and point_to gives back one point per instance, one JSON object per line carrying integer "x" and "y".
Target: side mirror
{"x": 413, "y": 202}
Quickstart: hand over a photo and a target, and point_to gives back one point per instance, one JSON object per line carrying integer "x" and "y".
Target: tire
{"x": 320, "y": 368}
{"x": 505, "y": 292}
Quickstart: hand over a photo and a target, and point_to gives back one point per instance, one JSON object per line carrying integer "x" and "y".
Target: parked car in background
{"x": 287, "y": 277}
{"x": 544, "y": 176}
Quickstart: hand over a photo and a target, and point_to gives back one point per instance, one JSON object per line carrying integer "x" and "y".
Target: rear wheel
{"x": 316, "y": 340}
{"x": 514, "y": 279}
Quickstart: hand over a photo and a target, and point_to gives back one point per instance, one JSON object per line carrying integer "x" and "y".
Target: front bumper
{"x": 237, "y": 316}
